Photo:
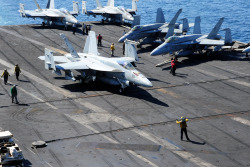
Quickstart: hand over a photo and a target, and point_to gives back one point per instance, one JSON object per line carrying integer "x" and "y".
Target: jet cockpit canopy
{"x": 171, "y": 39}
{"x": 126, "y": 65}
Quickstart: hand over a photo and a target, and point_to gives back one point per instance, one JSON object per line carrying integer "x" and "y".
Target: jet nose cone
{"x": 122, "y": 39}
{"x": 145, "y": 82}
{"x": 159, "y": 50}
{"x": 149, "y": 84}
{"x": 155, "y": 52}
{"x": 131, "y": 18}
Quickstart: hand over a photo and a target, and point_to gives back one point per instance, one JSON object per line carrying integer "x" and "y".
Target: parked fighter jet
{"x": 149, "y": 33}
{"x": 247, "y": 50}
{"x": 50, "y": 15}
{"x": 116, "y": 14}
{"x": 188, "y": 44}
{"x": 92, "y": 67}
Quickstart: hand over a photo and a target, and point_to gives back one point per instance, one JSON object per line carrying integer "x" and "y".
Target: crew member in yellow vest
{"x": 183, "y": 125}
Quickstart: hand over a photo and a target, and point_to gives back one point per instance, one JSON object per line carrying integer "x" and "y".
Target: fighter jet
{"x": 92, "y": 67}
{"x": 247, "y": 50}
{"x": 115, "y": 14}
{"x": 188, "y": 44}
{"x": 50, "y": 15}
{"x": 146, "y": 34}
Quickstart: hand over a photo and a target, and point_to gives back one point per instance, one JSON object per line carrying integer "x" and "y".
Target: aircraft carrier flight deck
{"x": 93, "y": 125}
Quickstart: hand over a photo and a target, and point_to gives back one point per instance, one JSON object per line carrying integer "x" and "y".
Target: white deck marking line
{"x": 146, "y": 135}
{"x": 240, "y": 82}
{"x": 241, "y": 120}
{"x": 192, "y": 158}
{"x": 223, "y": 77}
{"x": 33, "y": 41}
{"x": 39, "y": 99}
{"x": 48, "y": 164}
{"x": 39, "y": 80}
{"x": 111, "y": 140}
{"x": 30, "y": 150}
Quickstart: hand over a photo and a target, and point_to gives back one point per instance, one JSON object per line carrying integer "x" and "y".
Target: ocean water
{"x": 235, "y": 12}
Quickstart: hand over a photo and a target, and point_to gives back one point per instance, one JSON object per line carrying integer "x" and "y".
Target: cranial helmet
{"x": 183, "y": 119}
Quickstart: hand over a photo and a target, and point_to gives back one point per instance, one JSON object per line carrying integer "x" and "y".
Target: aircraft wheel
{"x": 122, "y": 90}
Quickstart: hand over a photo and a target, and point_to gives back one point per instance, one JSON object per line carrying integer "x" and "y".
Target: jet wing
{"x": 165, "y": 30}
{"x": 53, "y": 14}
{"x": 33, "y": 13}
{"x": 74, "y": 13}
{"x": 95, "y": 12}
{"x": 126, "y": 59}
{"x": 41, "y": 13}
{"x": 60, "y": 59}
{"x": 86, "y": 64}
{"x": 211, "y": 42}
{"x": 72, "y": 66}
{"x": 151, "y": 31}
{"x": 188, "y": 43}
{"x": 110, "y": 11}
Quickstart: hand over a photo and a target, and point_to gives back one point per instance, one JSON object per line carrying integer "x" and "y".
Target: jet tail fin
{"x": 49, "y": 60}
{"x": 197, "y": 25}
{"x": 228, "y": 36}
{"x": 75, "y": 7}
{"x": 99, "y": 5}
{"x": 130, "y": 50}
{"x": 171, "y": 25}
{"x": 90, "y": 44}
{"x": 134, "y": 5}
{"x": 160, "y": 16}
{"x": 216, "y": 29}
{"x": 37, "y": 5}
{"x": 50, "y": 4}
{"x": 22, "y": 12}
{"x": 70, "y": 47}
{"x": 136, "y": 21}
{"x": 185, "y": 26}
{"x": 111, "y": 3}
{"x": 84, "y": 7}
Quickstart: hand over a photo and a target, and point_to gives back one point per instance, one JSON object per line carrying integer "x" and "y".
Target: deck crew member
{"x": 17, "y": 71}
{"x": 5, "y": 75}
{"x": 183, "y": 125}
{"x": 13, "y": 92}
{"x": 112, "y": 48}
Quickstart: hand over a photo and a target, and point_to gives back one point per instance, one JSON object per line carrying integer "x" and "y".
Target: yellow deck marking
{"x": 168, "y": 92}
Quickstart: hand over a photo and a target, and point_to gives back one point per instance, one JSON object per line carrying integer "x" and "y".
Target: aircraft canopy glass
{"x": 126, "y": 65}
{"x": 136, "y": 28}
{"x": 171, "y": 39}
{"x": 122, "y": 8}
{"x": 65, "y": 11}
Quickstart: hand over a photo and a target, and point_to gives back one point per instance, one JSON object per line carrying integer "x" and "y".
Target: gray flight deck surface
{"x": 95, "y": 126}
